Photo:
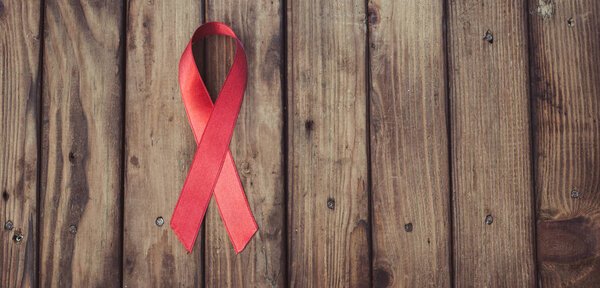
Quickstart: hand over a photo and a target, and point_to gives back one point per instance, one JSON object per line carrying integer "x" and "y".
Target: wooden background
{"x": 380, "y": 143}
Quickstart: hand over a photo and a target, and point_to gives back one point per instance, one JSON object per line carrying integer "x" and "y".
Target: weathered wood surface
{"x": 19, "y": 126}
{"x": 159, "y": 144}
{"x": 491, "y": 160}
{"x": 328, "y": 190}
{"x": 256, "y": 145}
{"x": 565, "y": 72}
{"x": 409, "y": 145}
{"x": 374, "y": 140}
{"x": 80, "y": 208}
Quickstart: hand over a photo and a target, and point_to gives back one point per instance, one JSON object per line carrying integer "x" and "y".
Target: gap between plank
{"x": 532, "y": 158}
{"x": 449, "y": 139}
{"x": 368, "y": 142}
{"x": 284, "y": 139}
{"x": 39, "y": 134}
{"x": 123, "y": 76}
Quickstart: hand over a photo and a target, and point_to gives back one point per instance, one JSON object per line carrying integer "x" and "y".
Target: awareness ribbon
{"x": 213, "y": 168}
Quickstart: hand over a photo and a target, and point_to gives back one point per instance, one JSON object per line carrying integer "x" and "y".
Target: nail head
{"x": 8, "y": 225}
{"x": 73, "y": 229}
{"x": 489, "y": 220}
{"x": 408, "y": 227}
{"x": 18, "y": 237}
{"x": 488, "y": 37}
{"x": 574, "y": 194}
{"x": 160, "y": 221}
{"x": 330, "y": 203}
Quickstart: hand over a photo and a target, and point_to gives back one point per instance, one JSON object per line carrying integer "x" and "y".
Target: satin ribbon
{"x": 213, "y": 168}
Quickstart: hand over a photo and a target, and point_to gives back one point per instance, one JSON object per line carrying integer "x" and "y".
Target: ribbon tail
{"x": 233, "y": 206}
{"x": 191, "y": 207}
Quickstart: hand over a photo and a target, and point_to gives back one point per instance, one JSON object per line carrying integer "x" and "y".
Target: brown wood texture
{"x": 80, "y": 208}
{"x": 381, "y": 143}
{"x": 19, "y": 127}
{"x": 565, "y": 72}
{"x": 256, "y": 145}
{"x": 328, "y": 189}
{"x": 409, "y": 145}
{"x": 159, "y": 144}
{"x": 490, "y": 144}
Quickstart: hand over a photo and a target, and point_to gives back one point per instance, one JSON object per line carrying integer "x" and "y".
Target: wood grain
{"x": 81, "y": 145}
{"x": 159, "y": 144}
{"x": 409, "y": 145}
{"x": 256, "y": 146}
{"x": 19, "y": 91}
{"x": 490, "y": 144}
{"x": 565, "y": 71}
{"x": 328, "y": 193}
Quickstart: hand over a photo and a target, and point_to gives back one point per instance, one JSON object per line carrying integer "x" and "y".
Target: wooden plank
{"x": 328, "y": 208}
{"x": 256, "y": 145}
{"x": 490, "y": 144}
{"x": 19, "y": 128}
{"x": 409, "y": 145}
{"x": 159, "y": 144}
{"x": 565, "y": 71}
{"x": 82, "y": 145}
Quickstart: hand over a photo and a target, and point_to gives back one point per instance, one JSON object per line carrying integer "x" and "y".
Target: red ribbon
{"x": 213, "y": 168}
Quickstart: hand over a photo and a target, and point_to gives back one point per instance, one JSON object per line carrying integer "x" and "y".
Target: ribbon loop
{"x": 213, "y": 169}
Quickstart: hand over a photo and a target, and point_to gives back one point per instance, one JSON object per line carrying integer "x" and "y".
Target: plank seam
{"x": 449, "y": 139}
{"x": 532, "y": 158}
{"x": 287, "y": 138}
{"x": 368, "y": 86}
{"x": 204, "y": 239}
{"x": 123, "y": 76}
{"x": 39, "y": 135}
{"x": 284, "y": 138}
